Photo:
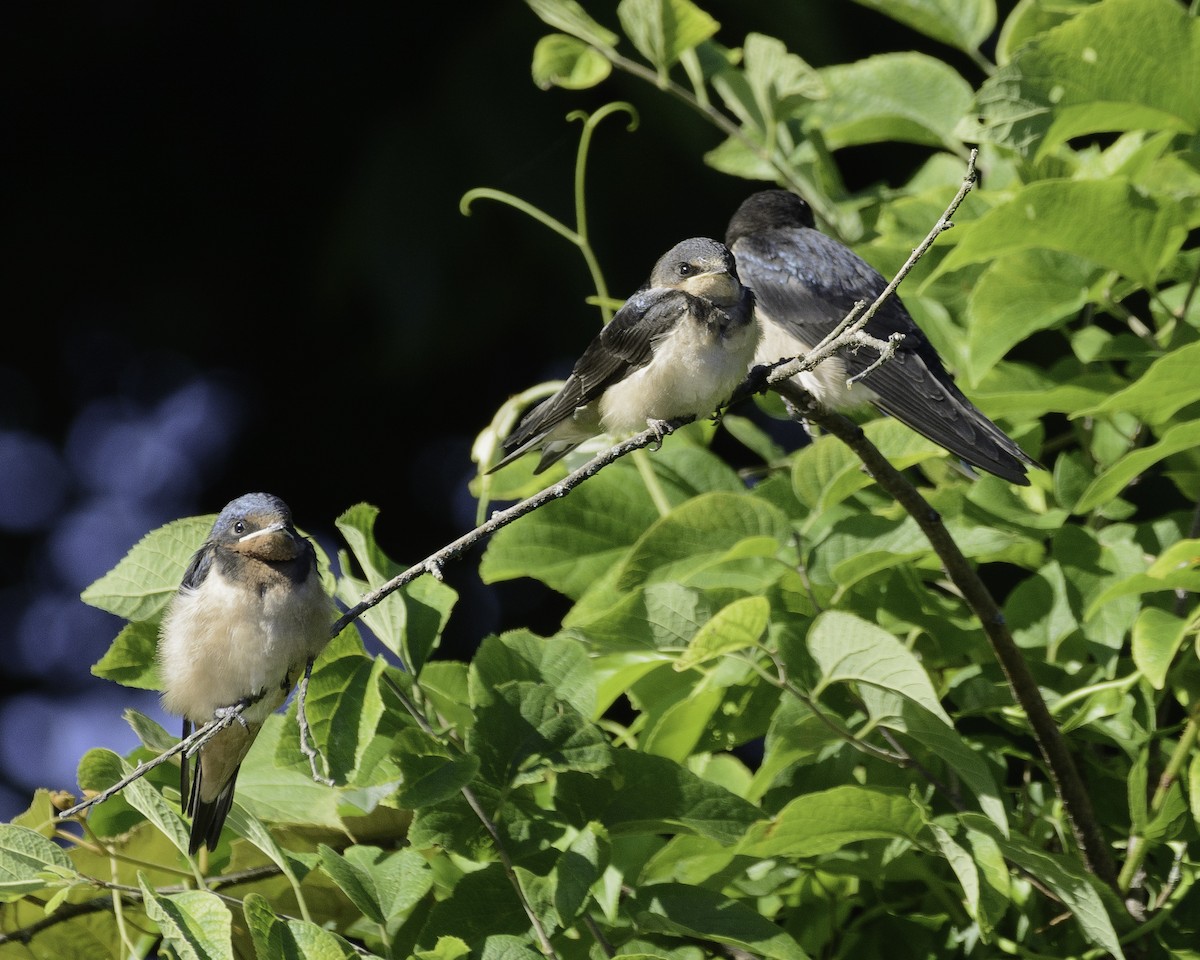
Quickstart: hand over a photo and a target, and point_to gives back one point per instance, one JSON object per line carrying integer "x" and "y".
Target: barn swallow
{"x": 804, "y": 285}
{"x": 248, "y": 619}
{"x": 677, "y": 348}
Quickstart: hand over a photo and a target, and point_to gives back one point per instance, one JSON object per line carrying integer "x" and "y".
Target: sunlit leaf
{"x": 1091, "y": 74}
{"x": 963, "y": 24}
{"x": 1075, "y": 217}
{"x": 562, "y": 61}
{"x": 662, "y": 30}
{"x": 140, "y": 585}
{"x": 906, "y": 97}
{"x": 825, "y": 821}
{"x": 681, "y": 910}
{"x": 195, "y": 924}
{"x": 1168, "y": 386}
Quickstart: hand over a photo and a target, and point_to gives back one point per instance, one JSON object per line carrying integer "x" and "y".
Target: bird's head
{"x": 769, "y": 210}
{"x": 701, "y": 267}
{"x": 258, "y": 525}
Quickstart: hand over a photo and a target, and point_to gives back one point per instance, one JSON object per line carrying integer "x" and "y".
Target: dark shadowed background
{"x": 235, "y": 261}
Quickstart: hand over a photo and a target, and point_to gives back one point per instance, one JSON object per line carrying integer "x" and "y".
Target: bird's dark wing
{"x": 624, "y": 345}
{"x": 198, "y": 567}
{"x": 808, "y": 282}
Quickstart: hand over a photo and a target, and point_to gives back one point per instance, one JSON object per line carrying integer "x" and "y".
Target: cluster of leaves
{"x": 767, "y": 724}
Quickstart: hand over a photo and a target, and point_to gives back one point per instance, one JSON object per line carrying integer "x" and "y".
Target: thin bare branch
{"x": 504, "y": 517}
{"x": 188, "y": 746}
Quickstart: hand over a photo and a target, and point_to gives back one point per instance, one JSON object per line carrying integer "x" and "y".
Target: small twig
{"x": 188, "y": 746}
{"x": 504, "y": 517}
{"x": 853, "y": 323}
{"x": 1190, "y": 295}
{"x": 1138, "y": 847}
{"x": 69, "y": 911}
{"x": 886, "y": 348}
{"x": 1064, "y": 775}
{"x": 473, "y": 802}
{"x": 543, "y": 938}
{"x": 907, "y": 759}
{"x": 307, "y": 747}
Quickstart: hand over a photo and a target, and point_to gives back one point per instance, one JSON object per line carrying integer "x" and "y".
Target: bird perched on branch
{"x": 677, "y": 348}
{"x": 805, "y": 283}
{"x": 249, "y": 618}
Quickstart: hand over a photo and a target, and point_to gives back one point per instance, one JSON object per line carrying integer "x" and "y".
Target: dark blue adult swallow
{"x": 805, "y": 283}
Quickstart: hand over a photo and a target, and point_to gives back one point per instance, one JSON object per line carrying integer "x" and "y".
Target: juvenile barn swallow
{"x": 677, "y": 348}
{"x": 804, "y": 285}
{"x": 249, "y": 617}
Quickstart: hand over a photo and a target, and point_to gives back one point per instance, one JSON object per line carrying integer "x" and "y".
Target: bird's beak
{"x": 264, "y": 532}
{"x": 720, "y": 287}
{"x": 273, "y": 543}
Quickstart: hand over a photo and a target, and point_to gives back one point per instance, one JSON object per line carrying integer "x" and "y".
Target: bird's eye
{"x": 684, "y": 269}
{"x": 239, "y": 527}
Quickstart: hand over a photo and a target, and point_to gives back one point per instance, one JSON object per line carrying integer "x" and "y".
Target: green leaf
{"x": 931, "y": 733}
{"x": 1018, "y": 295}
{"x": 344, "y": 707}
{"x": 430, "y": 779}
{"x": 577, "y": 869}
{"x": 678, "y": 727}
{"x": 195, "y": 924}
{"x": 823, "y": 822}
{"x": 276, "y": 794}
{"x": 1193, "y": 791}
{"x": 847, "y": 648}
{"x": 905, "y": 97}
{"x": 963, "y": 24}
{"x": 781, "y": 82}
{"x": 503, "y": 946}
{"x": 963, "y": 865}
{"x": 130, "y": 661}
{"x": 483, "y": 906}
{"x": 244, "y": 824}
{"x": 382, "y": 884}
{"x": 650, "y": 794}
{"x": 527, "y": 731}
{"x": 1030, "y": 18}
{"x": 663, "y": 30}
{"x": 705, "y": 526}
{"x": 1168, "y": 386}
{"x": 1070, "y": 882}
{"x": 1092, "y": 75}
{"x": 409, "y": 621}
{"x": 559, "y": 662}
{"x": 569, "y": 544}
{"x": 694, "y": 913}
{"x": 275, "y": 937}
{"x": 1075, "y": 217}
{"x": 140, "y": 585}
{"x": 148, "y": 731}
{"x": 99, "y": 769}
{"x": 734, "y": 627}
{"x": 569, "y": 17}
{"x": 446, "y": 948}
{"x": 1107, "y": 486}
{"x": 1157, "y": 637}
{"x": 569, "y": 63}
{"x": 25, "y": 859}
{"x": 826, "y": 472}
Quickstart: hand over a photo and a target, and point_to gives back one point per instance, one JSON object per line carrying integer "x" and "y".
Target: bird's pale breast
{"x": 695, "y": 368}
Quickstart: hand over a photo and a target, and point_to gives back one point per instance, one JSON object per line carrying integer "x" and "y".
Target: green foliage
{"x": 767, "y": 722}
